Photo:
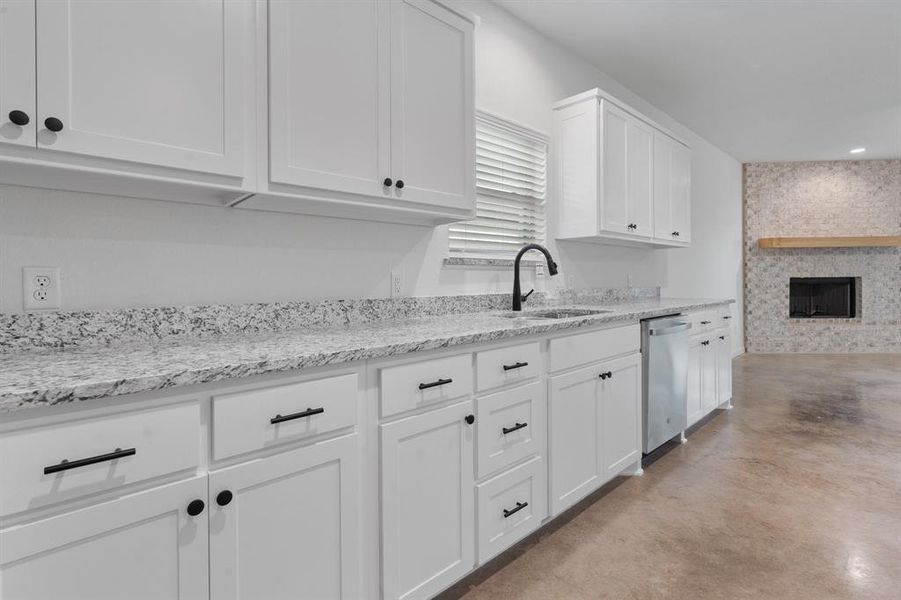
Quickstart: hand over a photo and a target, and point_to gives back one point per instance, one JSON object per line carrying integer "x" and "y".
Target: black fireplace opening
{"x": 823, "y": 297}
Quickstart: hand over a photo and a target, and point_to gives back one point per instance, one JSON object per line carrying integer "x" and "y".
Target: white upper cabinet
{"x": 432, "y": 105}
{"x": 610, "y": 171}
{"x": 371, "y": 104}
{"x": 17, "y": 73}
{"x": 672, "y": 190}
{"x": 329, "y": 95}
{"x": 155, "y": 83}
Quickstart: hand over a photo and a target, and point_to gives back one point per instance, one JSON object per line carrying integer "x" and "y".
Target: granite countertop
{"x": 48, "y": 377}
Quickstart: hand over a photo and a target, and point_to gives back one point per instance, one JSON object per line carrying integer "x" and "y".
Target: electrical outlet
{"x": 397, "y": 284}
{"x": 41, "y": 288}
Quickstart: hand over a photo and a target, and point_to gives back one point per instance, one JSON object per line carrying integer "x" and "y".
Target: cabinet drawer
{"x": 723, "y": 317}
{"x": 243, "y": 422}
{"x": 504, "y": 366}
{"x": 584, "y": 348}
{"x": 704, "y": 321}
{"x": 52, "y": 464}
{"x": 510, "y": 427}
{"x": 416, "y": 385}
{"x": 510, "y": 507}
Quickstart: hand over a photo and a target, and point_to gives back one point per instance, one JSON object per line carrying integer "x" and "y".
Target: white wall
{"x": 118, "y": 252}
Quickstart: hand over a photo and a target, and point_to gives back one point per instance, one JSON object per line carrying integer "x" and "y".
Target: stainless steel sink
{"x": 557, "y": 313}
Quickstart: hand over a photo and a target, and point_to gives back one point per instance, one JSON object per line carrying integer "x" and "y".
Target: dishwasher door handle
{"x": 672, "y": 329}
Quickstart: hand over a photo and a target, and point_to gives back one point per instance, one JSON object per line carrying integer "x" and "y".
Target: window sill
{"x": 496, "y": 263}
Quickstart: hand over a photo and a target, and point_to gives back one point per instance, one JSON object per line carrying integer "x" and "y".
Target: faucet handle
{"x": 526, "y": 296}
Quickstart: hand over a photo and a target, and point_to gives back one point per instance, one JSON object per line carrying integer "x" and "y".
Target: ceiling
{"x": 765, "y": 80}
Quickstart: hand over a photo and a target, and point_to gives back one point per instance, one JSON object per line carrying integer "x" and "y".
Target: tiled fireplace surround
{"x": 841, "y": 198}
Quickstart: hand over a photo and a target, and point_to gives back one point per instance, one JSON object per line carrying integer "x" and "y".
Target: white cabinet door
{"x": 289, "y": 529}
{"x": 574, "y": 444}
{"x": 621, "y": 414}
{"x": 432, "y": 105}
{"x": 142, "y": 547}
{"x": 158, "y": 83}
{"x": 428, "y": 523}
{"x": 639, "y": 160}
{"x": 681, "y": 192}
{"x": 614, "y": 169}
{"x": 708, "y": 375}
{"x": 17, "y": 72}
{"x": 723, "y": 368}
{"x": 694, "y": 409}
{"x": 663, "y": 164}
{"x": 329, "y": 83}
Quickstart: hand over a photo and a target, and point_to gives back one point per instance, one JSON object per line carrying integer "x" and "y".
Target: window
{"x": 511, "y": 168}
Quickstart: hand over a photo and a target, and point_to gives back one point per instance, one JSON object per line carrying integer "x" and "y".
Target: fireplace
{"x": 822, "y": 297}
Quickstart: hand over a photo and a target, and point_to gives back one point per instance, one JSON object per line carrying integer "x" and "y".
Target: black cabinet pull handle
{"x": 705, "y": 343}
{"x": 196, "y": 507}
{"x": 224, "y": 497}
{"x": 425, "y": 386}
{"x": 65, "y": 465}
{"x": 516, "y": 427}
{"x": 705, "y": 322}
{"x": 606, "y": 375}
{"x": 400, "y": 184}
{"x": 53, "y": 124}
{"x": 387, "y": 182}
{"x": 513, "y": 511}
{"x": 470, "y": 419}
{"x": 675, "y": 234}
{"x": 300, "y": 415}
{"x": 722, "y": 337}
{"x": 603, "y": 376}
{"x": 19, "y": 117}
{"x": 727, "y": 317}
{"x": 518, "y": 365}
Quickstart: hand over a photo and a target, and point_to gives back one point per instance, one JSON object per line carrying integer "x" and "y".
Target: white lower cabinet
{"x": 428, "y": 521}
{"x": 144, "y": 546}
{"x": 621, "y": 415}
{"x": 595, "y": 427}
{"x": 709, "y": 374}
{"x": 723, "y": 345}
{"x": 286, "y": 526}
{"x": 510, "y": 507}
{"x": 574, "y": 434}
{"x": 455, "y": 480}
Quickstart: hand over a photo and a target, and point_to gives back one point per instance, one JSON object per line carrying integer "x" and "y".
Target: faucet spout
{"x": 551, "y": 269}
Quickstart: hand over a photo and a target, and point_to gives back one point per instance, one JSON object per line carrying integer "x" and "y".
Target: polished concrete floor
{"x": 793, "y": 494}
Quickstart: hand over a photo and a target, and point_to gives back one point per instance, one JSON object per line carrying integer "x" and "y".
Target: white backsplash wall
{"x": 805, "y": 199}
{"x": 120, "y": 252}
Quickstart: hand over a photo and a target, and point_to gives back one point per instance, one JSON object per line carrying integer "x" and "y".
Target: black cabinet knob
{"x": 470, "y": 419}
{"x": 400, "y": 184}
{"x": 53, "y": 124}
{"x": 387, "y": 182}
{"x": 224, "y": 497}
{"x": 19, "y": 117}
{"x": 675, "y": 234}
{"x": 196, "y": 507}
{"x": 603, "y": 376}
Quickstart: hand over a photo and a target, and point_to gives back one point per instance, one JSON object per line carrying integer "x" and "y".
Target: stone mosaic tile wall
{"x": 842, "y": 198}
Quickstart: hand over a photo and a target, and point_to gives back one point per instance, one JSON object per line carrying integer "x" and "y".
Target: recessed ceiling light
{"x": 858, "y": 150}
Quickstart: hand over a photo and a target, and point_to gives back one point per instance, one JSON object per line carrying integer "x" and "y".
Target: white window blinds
{"x": 511, "y": 168}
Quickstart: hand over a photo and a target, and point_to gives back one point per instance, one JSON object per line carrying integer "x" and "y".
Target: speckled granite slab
{"x": 49, "y": 377}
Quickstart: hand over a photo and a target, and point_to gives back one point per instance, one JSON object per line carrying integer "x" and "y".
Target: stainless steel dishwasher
{"x": 664, "y": 356}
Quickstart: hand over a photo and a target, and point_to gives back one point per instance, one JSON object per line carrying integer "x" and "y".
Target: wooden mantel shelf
{"x": 874, "y": 241}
